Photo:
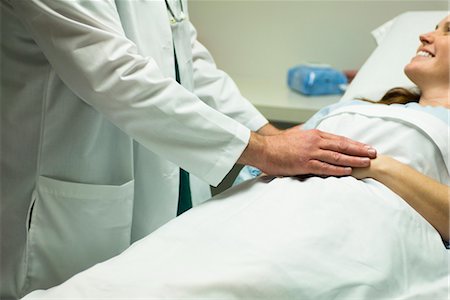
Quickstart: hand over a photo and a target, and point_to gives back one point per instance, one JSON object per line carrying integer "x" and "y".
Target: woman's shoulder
{"x": 439, "y": 112}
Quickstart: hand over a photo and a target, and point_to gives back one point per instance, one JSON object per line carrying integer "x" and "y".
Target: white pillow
{"x": 398, "y": 40}
{"x": 380, "y": 32}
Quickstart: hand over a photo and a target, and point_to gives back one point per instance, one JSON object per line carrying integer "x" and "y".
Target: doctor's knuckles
{"x": 298, "y": 152}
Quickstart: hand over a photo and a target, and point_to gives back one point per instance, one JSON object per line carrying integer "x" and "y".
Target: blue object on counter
{"x": 316, "y": 80}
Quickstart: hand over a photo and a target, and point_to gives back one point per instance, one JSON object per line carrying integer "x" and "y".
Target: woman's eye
{"x": 445, "y": 28}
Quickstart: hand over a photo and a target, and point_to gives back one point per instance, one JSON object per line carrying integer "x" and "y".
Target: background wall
{"x": 264, "y": 38}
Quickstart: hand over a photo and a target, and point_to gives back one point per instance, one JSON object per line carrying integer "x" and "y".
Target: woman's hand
{"x": 377, "y": 166}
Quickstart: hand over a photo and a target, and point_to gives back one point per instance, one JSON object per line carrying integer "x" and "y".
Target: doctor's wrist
{"x": 255, "y": 152}
{"x": 269, "y": 129}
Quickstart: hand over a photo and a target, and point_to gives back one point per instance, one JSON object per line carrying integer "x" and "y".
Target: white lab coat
{"x": 94, "y": 129}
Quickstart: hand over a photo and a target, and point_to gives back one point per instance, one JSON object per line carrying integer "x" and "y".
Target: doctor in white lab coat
{"x": 95, "y": 128}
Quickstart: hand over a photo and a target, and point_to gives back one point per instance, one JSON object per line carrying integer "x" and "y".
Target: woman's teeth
{"x": 424, "y": 54}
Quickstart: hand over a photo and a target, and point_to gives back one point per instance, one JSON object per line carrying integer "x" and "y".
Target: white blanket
{"x": 290, "y": 238}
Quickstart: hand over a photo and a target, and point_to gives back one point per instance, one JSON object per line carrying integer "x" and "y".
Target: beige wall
{"x": 264, "y": 38}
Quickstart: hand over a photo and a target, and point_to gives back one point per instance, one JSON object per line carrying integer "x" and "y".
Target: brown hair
{"x": 398, "y": 95}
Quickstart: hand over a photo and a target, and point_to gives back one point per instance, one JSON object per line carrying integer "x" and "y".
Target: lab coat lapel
{"x": 153, "y": 39}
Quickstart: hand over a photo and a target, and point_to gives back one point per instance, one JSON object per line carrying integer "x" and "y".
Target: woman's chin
{"x": 416, "y": 72}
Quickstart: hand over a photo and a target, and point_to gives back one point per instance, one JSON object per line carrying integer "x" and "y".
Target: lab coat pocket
{"x": 72, "y": 226}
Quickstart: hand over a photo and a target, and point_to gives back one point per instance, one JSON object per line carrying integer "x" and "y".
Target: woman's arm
{"x": 427, "y": 196}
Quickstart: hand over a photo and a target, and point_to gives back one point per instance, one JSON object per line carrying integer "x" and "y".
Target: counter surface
{"x": 277, "y": 102}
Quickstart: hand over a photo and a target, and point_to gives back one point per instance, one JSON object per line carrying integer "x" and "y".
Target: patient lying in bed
{"x": 290, "y": 238}
{"x": 307, "y": 238}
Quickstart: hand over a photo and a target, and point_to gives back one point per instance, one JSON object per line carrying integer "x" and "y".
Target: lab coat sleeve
{"x": 218, "y": 90}
{"x": 85, "y": 43}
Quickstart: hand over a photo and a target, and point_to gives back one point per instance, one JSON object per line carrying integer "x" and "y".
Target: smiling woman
{"x": 429, "y": 69}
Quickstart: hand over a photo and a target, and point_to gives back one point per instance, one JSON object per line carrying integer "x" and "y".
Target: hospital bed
{"x": 303, "y": 238}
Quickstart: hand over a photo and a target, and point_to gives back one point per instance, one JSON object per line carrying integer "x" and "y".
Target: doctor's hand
{"x": 298, "y": 152}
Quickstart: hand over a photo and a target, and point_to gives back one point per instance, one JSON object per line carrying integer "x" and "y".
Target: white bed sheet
{"x": 290, "y": 238}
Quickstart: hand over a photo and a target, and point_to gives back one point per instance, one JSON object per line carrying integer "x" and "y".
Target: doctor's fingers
{"x": 321, "y": 168}
{"x": 340, "y": 159}
{"x": 346, "y": 146}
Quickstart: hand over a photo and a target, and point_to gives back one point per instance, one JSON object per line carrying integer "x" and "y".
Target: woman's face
{"x": 431, "y": 63}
